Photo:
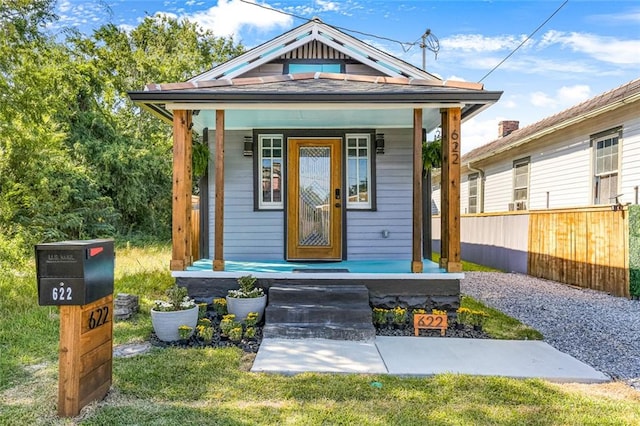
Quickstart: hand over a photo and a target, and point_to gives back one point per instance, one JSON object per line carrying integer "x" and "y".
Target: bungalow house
{"x": 315, "y": 165}
{"x": 571, "y": 175}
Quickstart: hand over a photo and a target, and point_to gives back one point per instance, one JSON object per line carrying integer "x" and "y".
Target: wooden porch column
{"x": 218, "y": 253}
{"x": 181, "y": 202}
{"x": 450, "y": 214}
{"x": 444, "y": 190}
{"x": 416, "y": 257}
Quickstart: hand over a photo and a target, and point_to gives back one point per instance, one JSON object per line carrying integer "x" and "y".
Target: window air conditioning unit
{"x": 521, "y": 205}
{"x": 512, "y": 206}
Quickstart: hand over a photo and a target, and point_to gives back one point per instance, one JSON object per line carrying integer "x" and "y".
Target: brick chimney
{"x": 507, "y": 127}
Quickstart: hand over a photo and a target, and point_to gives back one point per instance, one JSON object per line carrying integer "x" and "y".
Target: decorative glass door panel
{"x": 314, "y": 200}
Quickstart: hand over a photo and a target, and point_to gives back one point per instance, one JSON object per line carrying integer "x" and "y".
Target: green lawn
{"x": 213, "y": 386}
{"x": 468, "y": 266}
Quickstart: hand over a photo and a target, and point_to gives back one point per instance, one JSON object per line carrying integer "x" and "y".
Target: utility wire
{"x": 524, "y": 41}
{"x": 406, "y": 46}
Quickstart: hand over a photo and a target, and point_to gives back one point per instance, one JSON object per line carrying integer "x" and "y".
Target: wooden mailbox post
{"x": 78, "y": 277}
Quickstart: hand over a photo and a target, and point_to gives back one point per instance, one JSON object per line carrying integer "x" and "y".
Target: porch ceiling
{"x": 239, "y": 119}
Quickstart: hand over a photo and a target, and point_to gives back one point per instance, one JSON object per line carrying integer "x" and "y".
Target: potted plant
{"x": 399, "y": 316}
{"x": 248, "y": 298}
{"x": 380, "y": 317}
{"x": 168, "y": 315}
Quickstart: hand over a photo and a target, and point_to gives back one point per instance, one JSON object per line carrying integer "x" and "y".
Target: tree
{"x": 135, "y": 165}
{"x": 77, "y": 158}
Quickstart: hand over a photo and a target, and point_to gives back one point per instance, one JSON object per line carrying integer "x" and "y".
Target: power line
{"x": 524, "y": 41}
{"x": 406, "y": 46}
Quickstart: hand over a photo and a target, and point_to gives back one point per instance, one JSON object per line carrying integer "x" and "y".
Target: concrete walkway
{"x": 424, "y": 356}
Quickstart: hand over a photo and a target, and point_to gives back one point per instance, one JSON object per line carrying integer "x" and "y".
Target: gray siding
{"x": 249, "y": 234}
{"x": 259, "y": 235}
{"x": 264, "y": 71}
{"x": 361, "y": 69}
{"x": 630, "y": 161}
{"x": 394, "y": 204}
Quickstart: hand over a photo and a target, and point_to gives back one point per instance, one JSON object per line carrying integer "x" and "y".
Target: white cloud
{"x": 602, "y": 48}
{"x": 476, "y": 132}
{"x": 631, "y": 16}
{"x": 541, "y": 99}
{"x": 564, "y": 97}
{"x": 328, "y": 6}
{"x": 481, "y": 43}
{"x": 64, "y": 6}
{"x": 228, "y": 17}
{"x": 319, "y": 6}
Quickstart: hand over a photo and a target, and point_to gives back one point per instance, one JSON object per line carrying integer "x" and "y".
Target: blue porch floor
{"x": 345, "y": 266}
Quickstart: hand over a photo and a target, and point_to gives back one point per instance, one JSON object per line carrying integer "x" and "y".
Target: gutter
{"x": 302, "y": 97}
{"x": 561, "y": 125}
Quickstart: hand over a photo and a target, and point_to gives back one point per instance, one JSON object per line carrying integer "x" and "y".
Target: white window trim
{"x": 270, "y": 205}
{"x": 518, "y": 162}
{"x": 359, "y": 205}
{"x": 607, "y": 134}
{"x": 473, "y": 177}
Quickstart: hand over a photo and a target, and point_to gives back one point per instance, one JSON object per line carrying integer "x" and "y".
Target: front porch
{"x": 390, "y": 282}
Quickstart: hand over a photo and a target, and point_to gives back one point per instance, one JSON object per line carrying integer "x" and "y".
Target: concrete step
{"x": 317, "y": 294}
{"x": 340, "y": 312}
{"x": 318, "y": 314}
{"x": 327, "y": 331}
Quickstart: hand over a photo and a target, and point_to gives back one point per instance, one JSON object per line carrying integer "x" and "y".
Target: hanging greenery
{"x": 431, "y": 155}
{"x": 199, "y": 159}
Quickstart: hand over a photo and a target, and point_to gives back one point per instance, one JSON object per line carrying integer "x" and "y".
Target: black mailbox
{"x": 74, "y": 272}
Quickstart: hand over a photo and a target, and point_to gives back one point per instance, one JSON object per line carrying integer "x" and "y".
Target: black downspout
{"x": 426, "y": 215}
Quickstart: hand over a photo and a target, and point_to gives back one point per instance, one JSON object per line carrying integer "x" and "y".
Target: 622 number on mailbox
{"x": 62, "y": 293}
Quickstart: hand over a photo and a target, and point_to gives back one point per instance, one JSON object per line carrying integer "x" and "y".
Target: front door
{"x": 314, "y": 199}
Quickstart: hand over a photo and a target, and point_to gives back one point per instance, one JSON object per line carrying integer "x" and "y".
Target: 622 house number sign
{"x": 98, "y": 317}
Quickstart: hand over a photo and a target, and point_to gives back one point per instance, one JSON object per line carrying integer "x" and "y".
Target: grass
{"x": 501, "y": 326}
{"x": 468, "y": 266}
{"x": 213, "y": 386}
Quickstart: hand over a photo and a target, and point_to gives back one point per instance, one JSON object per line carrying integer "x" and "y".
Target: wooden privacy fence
{"x": 586, "y": 247}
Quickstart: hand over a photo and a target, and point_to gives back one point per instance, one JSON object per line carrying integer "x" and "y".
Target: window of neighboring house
{"x": 270, "y": 155}
{"x": 359, "y": 171}
{"x": 606, "y": 166}
{"x": 301, "y": 67}
{"x": 521, "y": 183}
{"x": 473, "y": 193}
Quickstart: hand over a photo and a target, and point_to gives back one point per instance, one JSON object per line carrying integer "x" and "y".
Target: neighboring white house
{"x": 586, "y": 155}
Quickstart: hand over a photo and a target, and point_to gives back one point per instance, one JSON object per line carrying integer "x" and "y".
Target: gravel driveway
{"x": 600, "y": 330}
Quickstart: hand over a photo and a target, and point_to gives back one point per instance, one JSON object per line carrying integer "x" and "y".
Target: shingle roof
{"x": 567, "y": 116}
{"x": 318, "y": 79}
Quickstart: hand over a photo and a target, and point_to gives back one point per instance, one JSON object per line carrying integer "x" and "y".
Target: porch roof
{"x": 318, "y": 92}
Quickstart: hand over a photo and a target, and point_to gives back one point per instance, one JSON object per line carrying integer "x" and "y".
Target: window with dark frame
{"x": 302, "y": 66}
{"x": 359, "y": 167}
{"x": 358, "y": 171}
{"x": 270, "y": 165}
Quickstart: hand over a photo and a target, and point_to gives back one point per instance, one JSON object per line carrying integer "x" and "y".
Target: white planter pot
{"x": 165, "y": 324}
{"x": 241, "y": 307}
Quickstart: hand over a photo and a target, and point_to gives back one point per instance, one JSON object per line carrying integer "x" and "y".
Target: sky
{"x": 585, "y": 49}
